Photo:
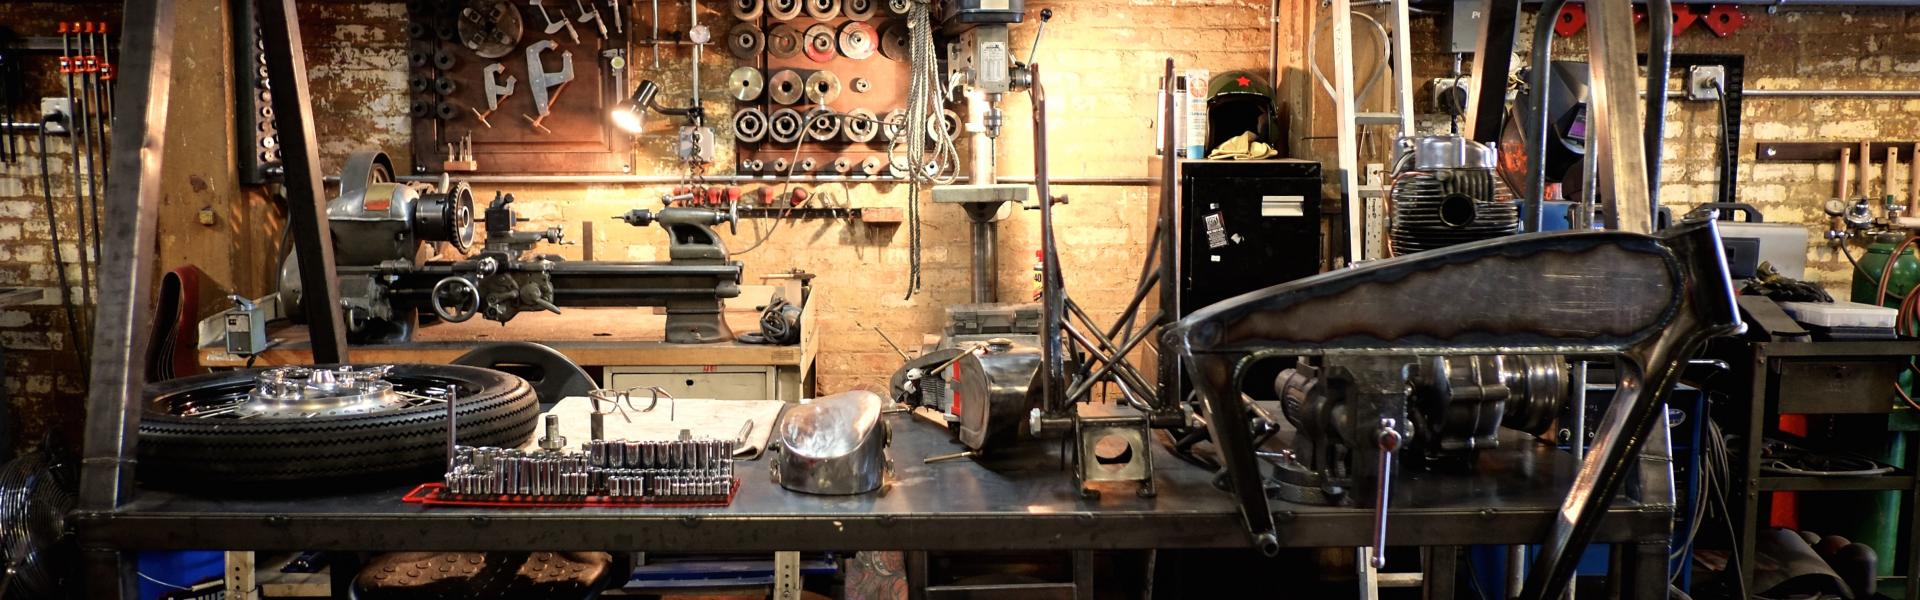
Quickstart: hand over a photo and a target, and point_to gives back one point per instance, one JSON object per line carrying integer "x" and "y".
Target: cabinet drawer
{"x": 1837, "y": 386}
{"x": 718, "y": 383}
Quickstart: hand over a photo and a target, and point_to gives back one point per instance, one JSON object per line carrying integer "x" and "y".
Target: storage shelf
{"x": 1805, "y": 483}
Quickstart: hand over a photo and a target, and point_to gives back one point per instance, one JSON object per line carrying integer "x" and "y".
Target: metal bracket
{"x": 495, "y": 90}
{"x": 546, "y": 86}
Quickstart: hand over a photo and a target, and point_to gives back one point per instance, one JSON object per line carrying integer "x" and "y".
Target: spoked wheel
{"x": 297, "y": 424}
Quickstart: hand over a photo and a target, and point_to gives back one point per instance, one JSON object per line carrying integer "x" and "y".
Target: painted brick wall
{"x": 1102, "y": 61}
{"x": 1794, "y": 48}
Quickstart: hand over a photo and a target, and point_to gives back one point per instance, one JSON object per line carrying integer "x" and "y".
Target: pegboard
{"x": 884, "y": 73}
{"x": 446, "y": 81}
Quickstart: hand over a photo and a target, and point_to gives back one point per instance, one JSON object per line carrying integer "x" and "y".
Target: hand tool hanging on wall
{"x": 555, "y": 26}
{"x": 495, "y": 91}
{"x": 590, "y": 12}
{"x": 94, "y": 122}
{"x": 546, "y": 86}
{"x": 619, "y": 24}
{"x": 68, "y": 60}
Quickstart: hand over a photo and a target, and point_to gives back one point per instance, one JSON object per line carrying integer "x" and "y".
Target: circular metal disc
{"x": 893, "y": 43}
{"x": 895, "y": 124}
{"x": 823, "y": 10}
{"x": 491, "y": 30}
{"x": 899, "y": 7}
{"x": 823, "y": 87}
{"x": 860, "y": 10}
{"x": 784, "y": 10}
{"x": 784, "y": 126}
{"x": 745, "y": 84}
{"x": 861, "y": 126}
{"x": 783, "y": 41}
{"x": 785, "y": 87}
{"x": 819, "y": 43}
{"x": 823, "y": 125}
{"x": 746, "y": 41}
{"x": 857, "y": 40}
{"x": 747, "y": 10}
{"x": 750, "y": 125}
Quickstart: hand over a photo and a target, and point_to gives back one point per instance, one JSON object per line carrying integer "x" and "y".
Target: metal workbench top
{"x": 1022, "y": 503}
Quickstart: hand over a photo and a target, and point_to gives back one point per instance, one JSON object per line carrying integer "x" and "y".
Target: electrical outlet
{"x": 56, "y": 113}
{"x": 1704, "y": 82}
{"x": 1450, "y": 94}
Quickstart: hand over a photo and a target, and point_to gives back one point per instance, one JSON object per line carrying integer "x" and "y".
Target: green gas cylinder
{"x": 1879, "y": 513}
{"x": 1901, "y": 279}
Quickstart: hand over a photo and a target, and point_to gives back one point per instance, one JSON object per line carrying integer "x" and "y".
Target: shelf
{"x": 1802, "y": 483}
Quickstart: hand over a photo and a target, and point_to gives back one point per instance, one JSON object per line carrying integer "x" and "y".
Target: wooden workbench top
{"x": 589, "y": 336}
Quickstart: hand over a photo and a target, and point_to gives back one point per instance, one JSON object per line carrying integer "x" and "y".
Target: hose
{"x": 60, "y": 262}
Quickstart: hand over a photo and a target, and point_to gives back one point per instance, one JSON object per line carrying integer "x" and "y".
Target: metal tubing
{"x": 1052, "y": 350}
{"x": 76, "y": 141}
{"x": 1105, "y": 345}
{"x": 306, "y": 201}
{"x": 1622, "y": 155}
{"x": 1492, "y": 58}
{"x": 1539, "y": 75}
{"x": 1170, "y": 368}
{"x": 986, "y": 285}
{"x": 118, "y": 372}
{"x": 1659, "y": 63}
{"x": 91, "y": 130}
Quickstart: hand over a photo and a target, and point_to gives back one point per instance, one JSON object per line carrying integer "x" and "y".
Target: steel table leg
{"x": 1441, "y": 567}
{"x": 111, "y": 575}
{"x": 916, "y": 565}
{"x": 1647, "y": 570}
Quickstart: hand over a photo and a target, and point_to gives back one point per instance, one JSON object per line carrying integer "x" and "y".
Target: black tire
{"x": 495, "y": 409}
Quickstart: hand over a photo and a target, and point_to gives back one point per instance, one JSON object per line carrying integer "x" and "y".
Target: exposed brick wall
{"x": 1794, "y": 48}
{"x": 41, "y": 375}
{"x": 1102, "y": 62}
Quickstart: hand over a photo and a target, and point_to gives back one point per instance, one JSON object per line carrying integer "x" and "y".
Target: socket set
{"x": 601, "y": 473}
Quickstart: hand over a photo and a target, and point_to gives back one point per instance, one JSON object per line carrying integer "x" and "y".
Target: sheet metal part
{"x": 836, "y": 445}
{"x": 1663, "y": 297}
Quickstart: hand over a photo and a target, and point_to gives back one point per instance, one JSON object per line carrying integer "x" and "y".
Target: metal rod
{"x": 1171, "y": 369}
{"x": 90, "y": 118}
{"x": 1492, "y": 58}
{"x": 1539, "y": 77}
{"x": 1659, "y": 63}
{"x": 119, "y": 347}
{"x": 1617, "y": 125}
{"x": 452, "y": 397}
{"x": 1053, "y": 292}
{"x": 306, "y": 201}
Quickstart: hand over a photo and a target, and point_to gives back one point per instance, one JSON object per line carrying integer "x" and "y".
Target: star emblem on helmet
{"x": 1243, "y": 81}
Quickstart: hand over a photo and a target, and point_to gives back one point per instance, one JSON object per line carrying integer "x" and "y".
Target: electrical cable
{"x": 60, "y": 263}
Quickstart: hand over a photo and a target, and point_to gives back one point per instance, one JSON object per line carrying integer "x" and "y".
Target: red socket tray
{"x": 432, "y": 494}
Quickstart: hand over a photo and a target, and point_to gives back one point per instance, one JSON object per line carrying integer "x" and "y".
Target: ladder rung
{"x": 1400, "y": 580}
{"x": 1377, "y": 118}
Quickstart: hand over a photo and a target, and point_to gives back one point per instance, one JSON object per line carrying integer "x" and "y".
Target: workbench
{"x": 1027, "y": 503}
{"x": 623, "y": 345}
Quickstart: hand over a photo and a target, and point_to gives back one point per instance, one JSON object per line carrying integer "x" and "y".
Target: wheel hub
{"x": 297, "y": 392}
